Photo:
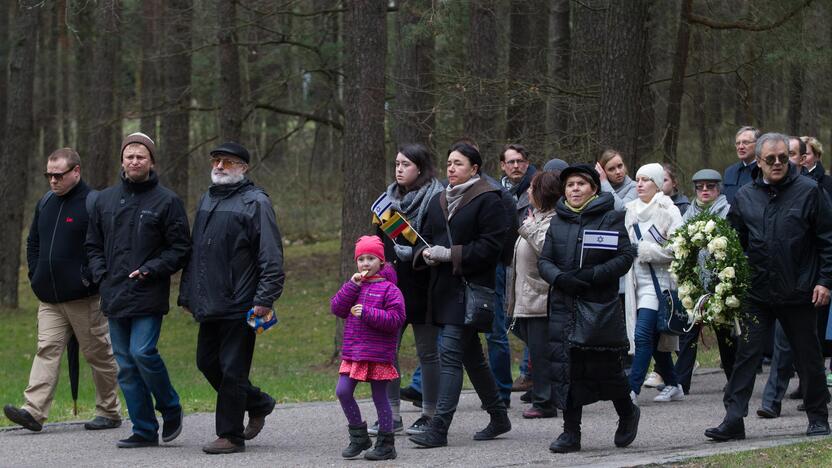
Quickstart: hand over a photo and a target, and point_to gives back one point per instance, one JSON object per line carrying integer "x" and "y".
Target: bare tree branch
{"x": 744, "y": 25}
{"x": 315, "y": 118}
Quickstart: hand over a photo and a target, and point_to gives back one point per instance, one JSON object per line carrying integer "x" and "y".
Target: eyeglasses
{"x": 516, "y": 162}
{"x": 744, "y": 143}
{"x": 226, "y": 162}
{"x": 706, "y": 186}
{"x": 59, "y": 176}
{"x": 771, "y": 159}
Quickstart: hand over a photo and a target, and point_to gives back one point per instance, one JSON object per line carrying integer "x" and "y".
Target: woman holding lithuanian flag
{"x": 409, "y": 197}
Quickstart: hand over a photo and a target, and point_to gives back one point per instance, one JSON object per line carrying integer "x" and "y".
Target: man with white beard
{"x": 236, "y": 265}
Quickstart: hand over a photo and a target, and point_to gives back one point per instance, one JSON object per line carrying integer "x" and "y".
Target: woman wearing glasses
{"x": 708, "y": 186}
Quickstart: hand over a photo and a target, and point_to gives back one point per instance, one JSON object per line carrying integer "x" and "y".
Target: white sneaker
{"x": 653, "y": 380}
{"x": 670, "y": 394}
{"x": 634, "y": 397}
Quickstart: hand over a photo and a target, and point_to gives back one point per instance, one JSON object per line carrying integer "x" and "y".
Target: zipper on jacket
{"x": 52, "y": 246}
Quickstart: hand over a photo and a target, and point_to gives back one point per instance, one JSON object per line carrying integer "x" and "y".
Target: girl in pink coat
{"x": 373, "y": 309}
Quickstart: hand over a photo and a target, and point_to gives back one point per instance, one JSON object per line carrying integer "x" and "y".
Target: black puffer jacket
{"x": 561, "y": 254}
{"x": 237, "y": 259}
{"x": 58, "y": 269}
{"x": 136, "y": 225}
{"x": 786, "y": 231}
{"x": 478, "y": 231}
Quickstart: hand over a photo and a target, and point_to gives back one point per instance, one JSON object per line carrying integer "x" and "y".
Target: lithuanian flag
{"x": 397, "y": 225}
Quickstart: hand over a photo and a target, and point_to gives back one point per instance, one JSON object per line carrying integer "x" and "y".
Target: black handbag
{"x": 479, "y": 301}
{"x": 672, "y": 317}
{"x": 598, "y": 325}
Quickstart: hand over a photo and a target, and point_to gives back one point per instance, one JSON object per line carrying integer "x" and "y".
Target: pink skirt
{"x": 365, "y": 371}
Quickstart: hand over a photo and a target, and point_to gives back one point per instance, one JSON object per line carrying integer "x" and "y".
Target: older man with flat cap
{"x": 236, "y": 266}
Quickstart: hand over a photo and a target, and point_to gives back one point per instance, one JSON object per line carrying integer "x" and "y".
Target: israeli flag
{"x": 381, "y": 205}
{"x": 657, "y": 236}
{"x": 605, "y": 240}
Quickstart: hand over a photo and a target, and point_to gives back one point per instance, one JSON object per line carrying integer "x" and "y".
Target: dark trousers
{"x": 688, "y": 347}
{"x": 534, "y": 331}
{"x": 223, "y": 354}
{"x": 460, "y": 347}
{"x": 572, "y": 415}
{"x": 800, "y": 325}
{"x": 781, "y": 371}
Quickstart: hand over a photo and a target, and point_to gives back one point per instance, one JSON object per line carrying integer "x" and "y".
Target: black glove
{"x": 570, "y": 284}
{"x": 586, "y": 275}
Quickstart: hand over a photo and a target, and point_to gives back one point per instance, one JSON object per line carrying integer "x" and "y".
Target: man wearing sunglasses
{"x": 784, "y": 222}
{"x": 236, "y": 266}
{"x": 69, "y": 301}
{"x": 137, "y": 238}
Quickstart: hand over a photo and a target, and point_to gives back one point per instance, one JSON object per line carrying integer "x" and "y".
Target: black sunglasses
{"x": 58, "y": 176}
{"x": 781, "y": 158}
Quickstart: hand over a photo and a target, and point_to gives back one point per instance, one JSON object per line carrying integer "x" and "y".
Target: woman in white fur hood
{"x": 657, "y": 218}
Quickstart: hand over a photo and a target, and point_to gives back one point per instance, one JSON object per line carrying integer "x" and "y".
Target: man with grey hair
{"x": 236, "y": 266}
{"x": 68, "y": 298}
{"x": 784, "y": 222}
{"x": 739, "y": 173}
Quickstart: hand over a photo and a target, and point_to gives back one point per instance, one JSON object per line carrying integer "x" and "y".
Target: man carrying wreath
{"x": 784, "y": 224}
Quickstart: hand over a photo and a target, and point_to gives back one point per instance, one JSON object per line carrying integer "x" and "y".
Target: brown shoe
{"x": 222, "y": 446}
{"x": 256, "y": 423}
{"x": 521, "y": 384}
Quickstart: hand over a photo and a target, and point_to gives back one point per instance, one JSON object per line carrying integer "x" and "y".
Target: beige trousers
{"x": 56, "y": 324}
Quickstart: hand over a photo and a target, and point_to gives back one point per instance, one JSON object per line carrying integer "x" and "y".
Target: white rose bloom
{"x": 710, "y": 226}
{"x": 727, "y": 273}
{"x": 720, "y": 255}
{"x": 692, "y": 229}
{"x": 684, "y": 290}
{"x": 687, "y": 302}
{"x": 732, "y": 302}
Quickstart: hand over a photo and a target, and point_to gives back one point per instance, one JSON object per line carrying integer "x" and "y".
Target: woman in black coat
{"x": 469, "y": 209}
{"x": 584, "y": 269}
{"x": 411, "y": 194}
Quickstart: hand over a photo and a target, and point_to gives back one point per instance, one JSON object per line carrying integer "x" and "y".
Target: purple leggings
{"x": 344, "y": 391}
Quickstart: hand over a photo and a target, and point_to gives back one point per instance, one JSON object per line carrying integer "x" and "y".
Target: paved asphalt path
{"x": 313, "y": 434}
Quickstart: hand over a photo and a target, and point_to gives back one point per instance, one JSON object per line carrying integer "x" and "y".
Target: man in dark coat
{"x": 137, "y": 238}
{"x": 784, "y": 223}
{"x": 236, "y": 265}
{"x": 582, "y": 268}
{"x": 69, "y": 301}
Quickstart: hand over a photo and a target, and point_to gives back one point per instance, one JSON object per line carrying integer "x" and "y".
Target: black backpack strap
{"x": 48, "y": 195}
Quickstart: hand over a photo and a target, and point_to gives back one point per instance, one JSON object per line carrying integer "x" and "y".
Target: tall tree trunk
{"x": 700, "y": 100}
{"x": 150, "y": 81}
{"x": 48, "y": 108}
{"x": 323, "y": 93}
{"x": 622, "y": 76}
{"x": 795, "y": 98}
{"x": 175, "y": 122}
{"x": 365, "y": 47}
{"x": 4, "y": 59}
{"x": 481, "y": 103}
{"x": 588, "y": 39}
{"x": 414, "y": 115}
{"x": 560, "y": 55}
{"x": 19, "y": 145}
{"x": 814, "y": 42}
{"x": 231, "y": 112}
{"x": 677, "y": 84}
{"x": 67, "y": 137}
{"x": 528, "y": 66}
{"x": 100, "y": 159}
{"x": 85, "y": 32}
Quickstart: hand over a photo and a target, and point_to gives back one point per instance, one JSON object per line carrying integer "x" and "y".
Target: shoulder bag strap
{"x": 451, "y": 241}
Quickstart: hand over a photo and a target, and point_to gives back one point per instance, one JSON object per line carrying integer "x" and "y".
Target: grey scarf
{"x": 414, "y": 204}
{"x": 454, "y": 194}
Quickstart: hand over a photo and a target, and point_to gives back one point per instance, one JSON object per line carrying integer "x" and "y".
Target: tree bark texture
{"x": 560, "y": 56}
{"x": 481, "y": 91}
{"x": 677, "y": 84}
{"x": 622, "y": 76}
{"x": 48, "y": 109}
{"x": 101, "y": 156}
{"x": 20, "y": 144}
{"x": 150, "y": 78}
{"x": 4, "y": 60}
{"x": 175, "y": 123}
{"x": 414, "y": 115}
{"x": 230, "y": 91}
{"x": 588, "y": 40}
{"x": 527, "y": 69}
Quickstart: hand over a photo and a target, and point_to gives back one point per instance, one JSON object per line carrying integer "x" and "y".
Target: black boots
{"x": 359, "y": 441}
{"x": 435, "y": 435}
{"x": 569, "y": 441}
{"x": 385, "y": 447}
{"x": 499, "y": 424}
{"x": 627, "y": 428}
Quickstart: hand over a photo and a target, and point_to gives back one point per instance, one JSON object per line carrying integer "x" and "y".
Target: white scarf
{"x": 646, "y": 211}
{"x": 454, "y": 194}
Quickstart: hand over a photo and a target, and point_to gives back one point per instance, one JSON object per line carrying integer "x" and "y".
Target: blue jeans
{"x": 142, "y": 373}
{"x": 499, "y": 358}
{"x": 525, "y": 370}
{"x": 647, "y": 338}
